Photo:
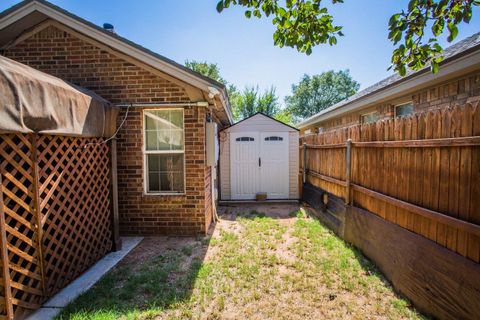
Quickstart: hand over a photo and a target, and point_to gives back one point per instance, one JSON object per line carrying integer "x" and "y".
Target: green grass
{"x": 264, "y": 269}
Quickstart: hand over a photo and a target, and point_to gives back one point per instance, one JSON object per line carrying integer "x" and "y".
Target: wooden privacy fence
{"x": 421, "y": 173}
{"x": 54, "y": 215}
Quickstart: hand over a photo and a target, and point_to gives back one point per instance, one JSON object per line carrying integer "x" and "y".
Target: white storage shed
{"x": 259, "y": 155}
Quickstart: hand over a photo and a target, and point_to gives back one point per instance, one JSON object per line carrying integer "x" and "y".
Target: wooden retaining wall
{"x": 421, "y": 177}
{"x": 54, "y": 215}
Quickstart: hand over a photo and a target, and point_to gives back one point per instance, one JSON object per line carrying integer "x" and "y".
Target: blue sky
{"x": 243, "y": 48}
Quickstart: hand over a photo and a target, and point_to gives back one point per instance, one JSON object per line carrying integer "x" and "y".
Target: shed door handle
{"x": 259, "y": 162}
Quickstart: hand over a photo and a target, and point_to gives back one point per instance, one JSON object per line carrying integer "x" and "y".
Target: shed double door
{"x": 259, "y": 163}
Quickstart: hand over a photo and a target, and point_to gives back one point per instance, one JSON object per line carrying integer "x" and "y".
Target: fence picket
{"x": 432, "y": 161}
{"x": 474, "y": 216}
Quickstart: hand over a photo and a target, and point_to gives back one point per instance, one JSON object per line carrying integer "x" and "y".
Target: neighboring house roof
{"x": 460, "y": 56}
{"x": 29, "y": 13}
{"x": 261, "y": 114}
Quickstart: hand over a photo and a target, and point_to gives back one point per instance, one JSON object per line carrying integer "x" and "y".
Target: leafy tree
{"x": 303, "y": 24}
{"x": 246, "y": 103}
{"x": 207, "y": 69}
{"x": 315, "y": 93}
{"x": 284, "y": 115}
{"x": 251, "y": 101}
{"x": 212, "y": 71}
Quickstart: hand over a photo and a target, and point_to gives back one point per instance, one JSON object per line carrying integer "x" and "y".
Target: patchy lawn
{"x": 256, "y": 266}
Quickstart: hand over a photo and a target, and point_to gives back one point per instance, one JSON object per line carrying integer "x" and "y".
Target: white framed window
{"x": 369, "y": 117}
{"x": 164, "y": 151}
{"x": 404, "y": 109}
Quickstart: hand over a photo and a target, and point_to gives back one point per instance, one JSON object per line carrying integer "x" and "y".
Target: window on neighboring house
{"x": 164, "y": 151}
{"x": 404, "y": 110}
{"x": 369, "y": 117}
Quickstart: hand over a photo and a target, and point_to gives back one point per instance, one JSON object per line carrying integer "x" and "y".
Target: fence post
{"x": 304, "y": 162}
{"x": 348, "y": 165}
{"x": 37, "y": 210}
{"x": 5, "y": 263}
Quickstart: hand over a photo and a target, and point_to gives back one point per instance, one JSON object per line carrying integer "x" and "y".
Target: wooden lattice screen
{"x": 54, "y": 215}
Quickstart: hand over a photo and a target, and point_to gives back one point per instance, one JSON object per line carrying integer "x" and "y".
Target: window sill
{"x": 163, "y": 195}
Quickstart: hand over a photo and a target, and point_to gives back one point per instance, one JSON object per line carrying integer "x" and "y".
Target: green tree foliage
{"x": 247, "y": 102}
{"x": 207, "y": 69}
{"x": 303, "y": 24}
{"x": 410, "y": 28}
{"x": 212, "y": 71}
{"x": 315, "y": 93}
{"x": 252, "y": 101}
{"x": 284, "y": 115}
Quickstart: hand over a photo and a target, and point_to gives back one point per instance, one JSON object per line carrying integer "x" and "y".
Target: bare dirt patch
{"x": 258, "y": 262}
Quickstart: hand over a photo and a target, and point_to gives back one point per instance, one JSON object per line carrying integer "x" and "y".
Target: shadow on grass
{"x": 402, "y": 304}
{"x": 157, "y": 279}
{"x": 155, "y": 276}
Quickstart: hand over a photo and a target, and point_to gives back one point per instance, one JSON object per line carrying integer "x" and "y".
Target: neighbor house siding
{"x": 62, "y": 54}
{"x": 458, "y": 91}
{"x": 293, "y": 163}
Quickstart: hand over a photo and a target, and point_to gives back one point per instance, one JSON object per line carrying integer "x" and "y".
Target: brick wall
{"x": 162, "y": 214}
{"x": 66, "y": 56}
{"x": 63, "y": 55}
{"x": 459, "y": 91}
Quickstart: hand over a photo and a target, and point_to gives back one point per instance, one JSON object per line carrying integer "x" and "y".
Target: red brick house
{"x": 164, "y": 182}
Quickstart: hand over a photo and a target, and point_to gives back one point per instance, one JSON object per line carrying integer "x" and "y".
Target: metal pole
{"x": 117, "y": 241}
{"x": 348, "y": 165}
{"x": 304, "y": 162}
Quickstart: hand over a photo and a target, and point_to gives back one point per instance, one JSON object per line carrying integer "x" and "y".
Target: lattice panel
{"x": 74, "y": 200}
{"x": 16, "y": 168}
{"x": 56, "y": 207}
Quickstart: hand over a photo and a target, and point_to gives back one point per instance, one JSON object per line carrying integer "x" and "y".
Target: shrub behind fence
{"x": 54, "y": 215}
{"x": 420, "y": 172}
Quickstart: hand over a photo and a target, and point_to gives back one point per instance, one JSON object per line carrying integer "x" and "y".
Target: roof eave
{"x": 152, "y": 59}
{"x": 450, "y": 67}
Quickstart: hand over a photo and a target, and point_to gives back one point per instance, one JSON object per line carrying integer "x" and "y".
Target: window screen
{"x": 164, "y": 151}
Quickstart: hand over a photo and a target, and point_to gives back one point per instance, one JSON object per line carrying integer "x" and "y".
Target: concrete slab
{"x": 53, "y": 306}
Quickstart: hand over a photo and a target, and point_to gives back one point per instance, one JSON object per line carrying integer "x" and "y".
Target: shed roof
{"x": 33, "y": 101}
{"x": 452, "y": 54}
{"x": 243, "y": 121}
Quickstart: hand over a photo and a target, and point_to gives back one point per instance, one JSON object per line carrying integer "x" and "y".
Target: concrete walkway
{"x": 55, "y": 305}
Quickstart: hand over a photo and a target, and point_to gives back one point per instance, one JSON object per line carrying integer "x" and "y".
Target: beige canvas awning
{"x": 33, "y": 101}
